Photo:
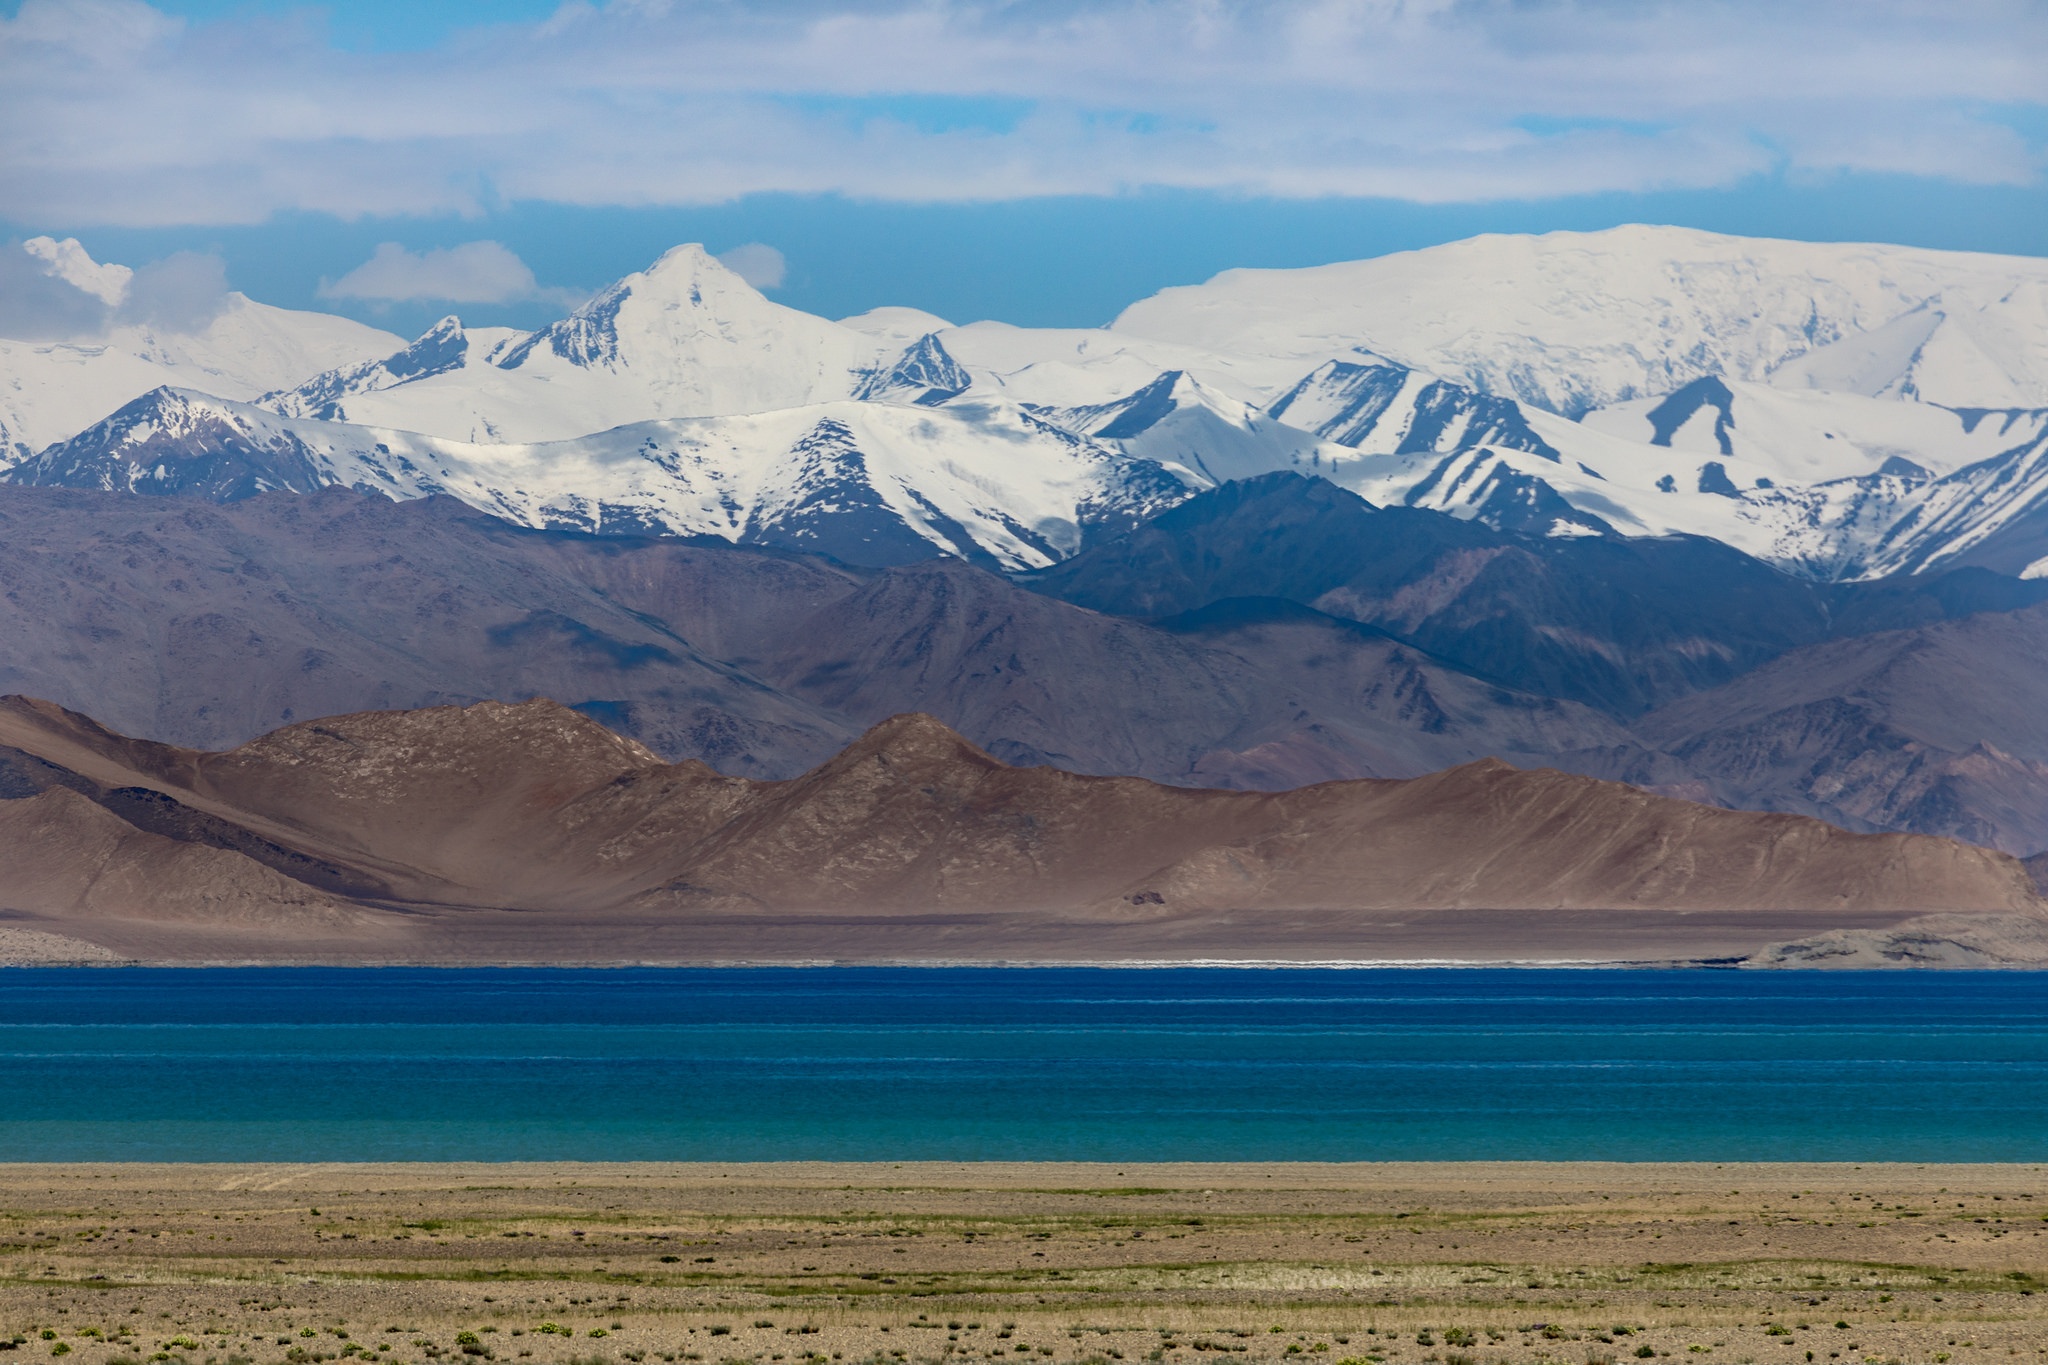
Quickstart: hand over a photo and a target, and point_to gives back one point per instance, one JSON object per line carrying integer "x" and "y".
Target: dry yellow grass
{"x": 796, "y": 1263}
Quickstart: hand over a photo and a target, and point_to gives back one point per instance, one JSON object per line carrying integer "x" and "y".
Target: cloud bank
{"x": 54, "y": 291}
{"x": 475, "y": 272}
{"x": 112, "y": 112}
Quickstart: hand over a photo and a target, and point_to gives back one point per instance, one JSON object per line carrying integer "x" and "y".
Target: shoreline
{"x": 1322, "y": 940}
{"x": 937, "y": 964}
{"x": 1008, "y": 964}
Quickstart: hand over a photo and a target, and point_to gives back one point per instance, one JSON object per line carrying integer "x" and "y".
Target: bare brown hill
{"x": 529, "y": 832}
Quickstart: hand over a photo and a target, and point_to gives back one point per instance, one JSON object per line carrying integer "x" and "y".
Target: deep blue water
{"x": 1198, "y": 1064}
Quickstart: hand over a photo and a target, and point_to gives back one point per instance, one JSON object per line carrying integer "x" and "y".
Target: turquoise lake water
{"x": 261, "y": 1064}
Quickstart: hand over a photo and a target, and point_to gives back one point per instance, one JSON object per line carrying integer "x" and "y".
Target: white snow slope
{"x": 1571, "y": 321}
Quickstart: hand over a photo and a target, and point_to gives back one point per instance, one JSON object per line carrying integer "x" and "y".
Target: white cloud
{"x": 38, "y": 304}
{"x": 180, "y": 293}
{"x": 55, "y": 291}
{"x": 112, "y": 112}
{"x": 475, "y": 272}
{"x": 757, "y": 263}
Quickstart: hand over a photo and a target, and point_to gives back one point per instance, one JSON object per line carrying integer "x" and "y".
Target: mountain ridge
{"x": 1803, "y": 458}
{"x": 493, "y": 807}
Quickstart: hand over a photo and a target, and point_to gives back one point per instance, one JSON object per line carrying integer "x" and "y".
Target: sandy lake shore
{"x": 809, "y": 1263}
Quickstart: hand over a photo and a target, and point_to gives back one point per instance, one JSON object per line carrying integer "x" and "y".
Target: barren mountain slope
{"x": 536, "y": 808}
{"x": 913, "y": 816}
{"x": 1943, "y": 728}
{"x": 206, "y": 626}
{"x": 1036, "y": 680}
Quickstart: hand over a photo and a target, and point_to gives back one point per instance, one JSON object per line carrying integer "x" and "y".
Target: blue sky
{"x": 1041, "y": 163}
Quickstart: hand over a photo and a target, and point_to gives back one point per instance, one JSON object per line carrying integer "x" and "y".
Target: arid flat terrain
{"x": 1457, "y": 1264}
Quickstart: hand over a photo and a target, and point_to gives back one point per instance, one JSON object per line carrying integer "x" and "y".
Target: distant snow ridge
{"x": 1841, "y": 411}
{"x": 1574, "y": 321}
{"x": 869, "y": 483}
{"x": 684, "y": 338}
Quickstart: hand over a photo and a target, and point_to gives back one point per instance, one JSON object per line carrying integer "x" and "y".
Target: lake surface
{"x": 304, "y": 1064}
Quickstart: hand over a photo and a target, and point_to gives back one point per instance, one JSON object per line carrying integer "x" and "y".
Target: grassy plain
{"x": 811, "y": 1264}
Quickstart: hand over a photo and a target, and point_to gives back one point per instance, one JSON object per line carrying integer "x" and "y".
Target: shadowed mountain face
{"x": 206, "y": 626}
{"x": 1615, "y": 623}
{"x": 1254, "y": 695}
{"x": 1942, "y": 729}
{"x": 535, "y": 808}
{"x": 1294, "y": 635}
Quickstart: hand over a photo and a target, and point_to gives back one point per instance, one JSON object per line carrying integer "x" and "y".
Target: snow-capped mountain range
{"x": 1841, "y": 411}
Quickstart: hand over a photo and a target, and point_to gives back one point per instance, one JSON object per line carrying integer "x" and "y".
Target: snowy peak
{"x": 177, "y": 442}
{"x": 684, "y": 338}
{"x": 925, "y": 374}
{"x": 441, "y": 349}
{"x": 1772, "y": 395}
{"x": 1131, "y": 415}
{"x": 1382, "y": 408}
{"x": 1179, "y": 422}
{"x": 683, "y": 302}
